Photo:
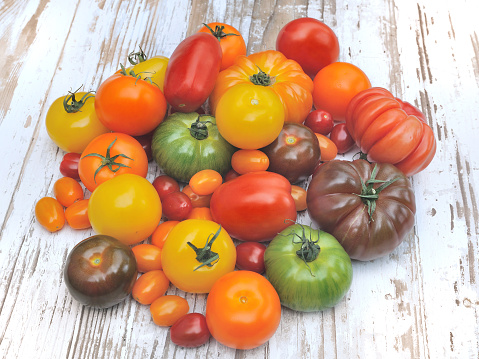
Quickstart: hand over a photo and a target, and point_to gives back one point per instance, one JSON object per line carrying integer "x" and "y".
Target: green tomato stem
{"x": 218, "y": 32}
{"x": 205, "y": 255}
{"x": 199, "y": 129}
{"x": 71, "y": 105}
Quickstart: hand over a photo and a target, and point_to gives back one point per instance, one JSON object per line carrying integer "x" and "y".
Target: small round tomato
{"x": 67, "y": 191}
{"x": 196, "y": 199}
{"x": 232, "y": 174}
{"x": 200, "y": 213}
{"x": 167, "y": 309}
{"x": 244, "y": 161}
{"x": 165, "y": 185}
{"x": 150, "y": 286}
{"x": 250, "y": 256}
{"x": 243, "y": 310}
{"x": 158, "y": 237}
{"x": 327, "y": 147}
{"x": 148, "y": 257}
{"x": 77, "y": 215}
{"x": 69, "y": 165}
{"x": 176, "y": 206}
{"x": 50, "y": 214}
{"x": 299, "y": 196}
{"x": 249, "y": 116}
{"x": 342, "y": 138}
{"x": 145, "y": 142}
{"x": 320, "y": 121}
{"x": 190, "y": 331}
{"x": 205, "y": 182}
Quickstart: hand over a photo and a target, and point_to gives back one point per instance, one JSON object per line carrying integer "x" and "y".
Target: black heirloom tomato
{"x": 100, "y": 271}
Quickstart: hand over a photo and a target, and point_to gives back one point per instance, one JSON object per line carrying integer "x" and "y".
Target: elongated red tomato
{"x": 192, "y": 71}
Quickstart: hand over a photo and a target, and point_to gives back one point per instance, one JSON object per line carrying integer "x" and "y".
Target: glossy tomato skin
{"x": 295, "y": 153}
{"x": 320, "y": 121}
{"x": 334, "y": 204}
{"x": 153, "y": 68}
{"x": 76, "y": 215}
{"x": 69, "y": 165}
{"x": 192, "y": 70}
{"x": 176, "y": 206}
{"x": 167, "y": 309}
{"x": 190, "y": 331}
{"x": 244, "y": 161}
{"x": 254, "y": 206}
{"x": 165, "y": 185}
{"x": 67, "y": 191}
{"x": 100, "y": 271}
{"x": 342, "y": 138}
{"x": 312, "y": 285}
{"x": 328, "y": 148}
{"x": 310, "y": 42}
{"x": 50, "y": 214}
{"x": 250, "y": 256}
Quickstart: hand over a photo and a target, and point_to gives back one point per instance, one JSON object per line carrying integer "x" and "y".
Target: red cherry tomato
{"x": 145, "y": 142}
{"x": 190, "y": 331}
{"x": 69, "y": 165}
{"x": 342, "y": 138}
{"x": 250, "y": 256}
{"x": 176, "y": 206}
{"x": 165, "y": 185}
{"x": 320, "y": 121}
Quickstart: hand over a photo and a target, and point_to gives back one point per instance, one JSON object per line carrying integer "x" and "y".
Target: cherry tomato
{"x": 69, "y": 165}
{"x": 145, "y": 142}
{"x": 150, "y": 286}
{"x": 299, "y": 195}
{"x": 165, "y": 185}
{"x": 77, "y": 215}
{"x": 196, "y": 199}
{"x": 158, "y": 237}
{"x": 320, "y": 122}
{"x": 250, "y": 256}
{"x": 176, "y": 206}
{"x": 148, "y": 257}
{"x": 67, "y": 191}
{"x": 153, "y": 68}
{"x": 190, "y": 331}
{"x": 50, "y": 214}
{"x": 327, "y": 147}
{"x": 244, "y": 161}
{"x": 342, "y": 138}
{"x": 200, "y": 213}
{"x": 167, "y": 309}
{"x": 205, "y": 182}
{"x": 232, "y": 174}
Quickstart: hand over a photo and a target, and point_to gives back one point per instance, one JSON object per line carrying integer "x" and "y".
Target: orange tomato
{"x": 196, "y": 199}
{"x": 67, "y": 191}
{"x": 329, "y": 151}
{"x": 50, "y": 214}
{"x": 200, "y": 213}
{"x": 299, "y": 195}
{"x": 148, "y": 257}
{"x": 166, "y": 310}
{"x": 150, "y": 286}
{"x": 205, "y": 182}
{"x": 244, "y": 161}
{"x": 77, "y": 215}
{"x": 160, "y": 234}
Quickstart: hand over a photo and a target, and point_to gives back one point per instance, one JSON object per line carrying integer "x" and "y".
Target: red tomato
{"x": 67, "y": 191}
{"x": 176, "y": 206}
{"x": 190, "y": 331}
{"x": 145, "y": 142}
{"x": 192, "y": 70}
{"x": 160, "y": 234}
{"x": 50, "y": 214}
{"x": 320, "y": 121}
{"x": 309, "y": 42}
{"x": 244, "y": 161}
{"x": 166, "y": 310}
{"x": 150, "y": 286}
{"x": 205, "y": 182}
{"x": 148, "y": 257}
{"x": 232, "y": 174}
{"x": 327, "y": 147}
{"x": 299, "y": 196}
{"x": 69, "y": 165}
{"x": 196, "y": 199}
{"x": 165, "y": 185}
{"x": 342, "y": 138}
{"x": 250, "y": 256}
{"x": 77, "y": 215}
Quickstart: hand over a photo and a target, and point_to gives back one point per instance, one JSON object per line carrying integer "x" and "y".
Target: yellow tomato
{"x": 153, "y": 68}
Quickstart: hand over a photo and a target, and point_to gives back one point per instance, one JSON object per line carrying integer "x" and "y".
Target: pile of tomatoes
{"x": 236, "y": 137}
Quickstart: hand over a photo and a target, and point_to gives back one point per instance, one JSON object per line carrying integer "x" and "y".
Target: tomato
{"x": 153, "y": 68}
{"x": 232, "y": 174}
{"x": 244, "y": 161}
{"x": 110, "y": 155}
{"x": 150, "y": 286}
{"x": 196, "y": 253}
{"x": 126, "y": 207}
{"x": 308, "y": 268}
{"x": 205, "y": 182}
{"x": 335, "y": 86}
{"x": 186, "y": 143}
{"x": 243, "y": 310}
{"x": 165, "y": 185}
{"x": 231, "y": 42}
{"x": 129, "y": 104}
{"x": 295, "y": 152}
{"x": 190, "y": 331}
{"x": 250, "y": 256}
{"x": 158, "y": 237}
{"x": 249, "y": 116}
{"x": 328, "y": 148}
{"x": 255, "y": 206}
{"x": 192, "y": 71}
{"x": 369, "y": 208}
{"x": 76, "y": 215}
{"x": 310, "y": 42}
{"x": 50, "y": 214}
{"x": 100, "y": 271}
{"x": 176, "y": 206}
{"x": 320, "y": 121}
{"x": 69, "y": 165}
{"x": 145, "y": 142}
{"x": 72, "y": 122}
{"x": 342, "y": 138}
{"x": 148, "y": 257}
{"x": 272, "y": 70}
{"x": 299, "y": 196}
{"x": 167, "y": 309}
{"x": 200, "y": 213}
{"x": 196, "y": 199}
{"x": 67, "y": 191}
{"x": 390, "y": 131}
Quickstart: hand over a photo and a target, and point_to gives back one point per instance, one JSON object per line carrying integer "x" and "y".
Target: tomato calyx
{"x": 205, "y": 255}
{"x": 134, "y": 58}
{"x": 262, "y": 78}
{"x": 309, "y": 250}
{"x": 70, "y": 103}
{"x": 108, "y": 161}
{"x": 218, "y": 32}
{"x": 199, "y": 129}
{"x": 137, "y": 76}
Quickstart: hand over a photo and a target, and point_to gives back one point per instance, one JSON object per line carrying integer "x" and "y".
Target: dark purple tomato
{"x": 69, "y": 165}
{"x": 145, "y": 142}
{"x": 319, "y": 121}
{"x": 190, "y": 331}
{"x": 176, "y": 206}
{"x": 164, "y": 185}
{"x": 250, "y": 256}
{"x": 100, "y": 271}
{"x": 342, "y": 138}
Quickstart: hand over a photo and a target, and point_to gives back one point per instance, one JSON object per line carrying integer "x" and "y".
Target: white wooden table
{"x": 419, "y": 302}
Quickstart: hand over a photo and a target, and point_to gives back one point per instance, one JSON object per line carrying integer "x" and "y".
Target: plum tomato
{"x": 150, "y": 286}
{"x": 158, "y": 237}
{"x": 299, "y": 195}
{"x": 319, "y": 121}
{"x": 148, "y": 257}
{"x": 200, "y": 213}
{"x": 176, "y": 206}
{"x": 244, "y": 161}
{"x": 67, "y": 191}
{"x": 50, "y": 214}
{"x": 69, "y": 165}
{"x": 77, "y": 215}
{"x": 250, "y": 256}
{"x": 190, "y": 331}
{"x": 167, "y": 309}
{"x": 164, "y": 185}
{"x": 205, "y": 182}
{"x": 342, "y": 138}
{"x": 327, "y": 147}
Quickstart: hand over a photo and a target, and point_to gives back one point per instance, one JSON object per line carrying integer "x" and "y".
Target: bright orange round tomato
{"x": 110, "y": 155}
{"x": 249, "y": 116}
{"x": 50, "y": 214}
{"x": 166, "y": 310}
{"x": 67, "y": 191}
{"x": 158, "y": 237}
{"x": 231, "y": 42}
{"x": 244, "y": 161}
{"x": 196, "y": 199}
{"x": 150, "y": 286}
{"x": 77, "y": 215}
{"x": 328, "y": 149}
{"x": 205, "y": 182}
{"x": 334, "y": 87}
{"x": 148, "y": 257}
{"x": 243, "y": 310}
{"x": 200, "y": 213}
{"x": 299, "y": 195}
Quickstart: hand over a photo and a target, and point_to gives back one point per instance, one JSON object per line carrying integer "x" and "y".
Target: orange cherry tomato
{"x": 244, "y": 161}
{"x": 205, "y": 182}
{"x": 67, "y": 191}
{"x": 196, "y": 199}
{"x": 299, "y": 195}
{"x": 150, "y": 286}
{"x": 160, "y": 234}
{"x": 50, "y": 214}
{"x": 329, "y": 151}
{"x": 148, "y": 257}
{"x": 166, "y": 310}
{"x": 77, "y": 215}
{"x": 200, "y": 213}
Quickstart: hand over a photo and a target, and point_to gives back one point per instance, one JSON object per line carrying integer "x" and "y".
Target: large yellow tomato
{"x": 126, "y": 207}
{"x": 196, "y": 253}
{"x": 249, "y": 116}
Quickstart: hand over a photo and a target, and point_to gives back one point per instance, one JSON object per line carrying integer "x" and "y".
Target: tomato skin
{"x": 320, "y": 121}
{"x": 244, "y": 161}
{"x": 190, "y": 331}
{"x": 200, "y": 213}
{"x": 205, "y": 182}
{"x": 192, "y": 71}
{"x": 328, "y": 148}
{"x": 76, "y": 215}
{"x": 243, "y": 310}
{"x": 165, "y": 185}
{"x": 342, "y": 138}
{"x": 196, "y": 199}
{"x": 158, "y": 237}
{"x": 250, "y": 256}
{"x": 148, "y": 257}
{"x": 145, "y": 142}
{"x": 69, "y": 165}
{"x": 100, "y": 271}
{"x": 232, "y": 174}
{"x": 150, "y": 286}
{"x": 67, "y": 191}
{"x": 299, "y": 196}
{"x": 50, "y": 214}
{"x": 167, "y": 309}
{"x": 176, "y": 206}
{"x": 153, "y": 68}
{"x": 310, "y": 42}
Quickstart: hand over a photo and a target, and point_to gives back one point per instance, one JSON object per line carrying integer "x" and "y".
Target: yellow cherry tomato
{"x": 244, "y": 161}
{"x": 153, "y": 68}
{"x": 205, "y": 182}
